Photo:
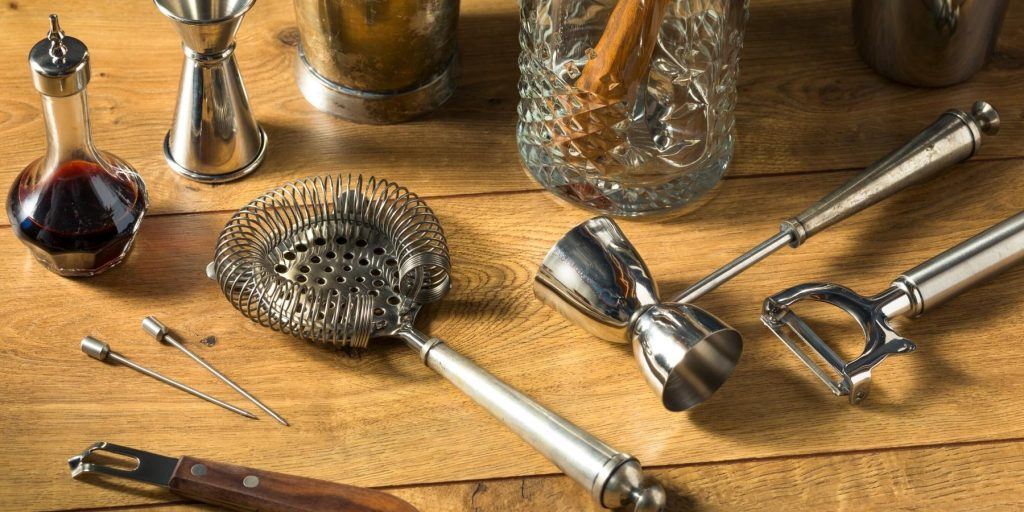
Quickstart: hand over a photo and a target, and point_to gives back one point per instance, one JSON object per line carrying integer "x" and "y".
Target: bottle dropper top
{"x": 59, "y": 63}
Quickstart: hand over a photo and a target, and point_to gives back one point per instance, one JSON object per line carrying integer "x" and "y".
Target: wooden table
{"x": 943, "y": 429}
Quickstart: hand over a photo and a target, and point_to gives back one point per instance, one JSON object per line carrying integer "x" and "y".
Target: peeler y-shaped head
{"x": 595, "y": 278}
{"x": 852, "y": 378}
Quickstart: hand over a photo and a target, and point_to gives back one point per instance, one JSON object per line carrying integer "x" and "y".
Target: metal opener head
{"x": 853, "y": 378}
{"x": 596, "y": 279}
{"x": 149, "y": 467}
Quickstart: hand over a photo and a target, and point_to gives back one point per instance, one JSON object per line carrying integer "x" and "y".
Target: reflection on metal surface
{"x": 930, "y": 43}
{"x": 596, "y": 279}
{"x": 214, "y": 136}
{"x": 911, "y": 294}
{"x": 377, "y": 61}
{"x": 343, "y": 262}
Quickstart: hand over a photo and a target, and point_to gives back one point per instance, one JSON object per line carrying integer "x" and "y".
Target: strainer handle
{"x": 613, "y": 478}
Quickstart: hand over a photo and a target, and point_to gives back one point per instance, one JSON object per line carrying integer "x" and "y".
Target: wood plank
{"x": 974, "y": 477}
{"x": 983, "y": 476}
{"x": 385, "y": 420}
{"x": 806, "y": 101}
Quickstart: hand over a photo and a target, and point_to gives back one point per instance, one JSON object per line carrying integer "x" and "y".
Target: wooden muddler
{"x": 620, "y": 60}
{"x": 623, "y": 54}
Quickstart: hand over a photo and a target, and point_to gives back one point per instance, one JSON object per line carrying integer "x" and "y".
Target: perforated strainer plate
{"x": 291, "y": 258}
{"x": 355, "y": 261}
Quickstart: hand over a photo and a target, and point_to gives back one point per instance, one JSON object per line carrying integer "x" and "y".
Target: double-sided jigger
{"x": 214, "y": 136}
{"x": 595, "y": 277}
{"x": 157, "y": 330}
{"x": 101, "y": 351}
{"x": 911, "y": 294}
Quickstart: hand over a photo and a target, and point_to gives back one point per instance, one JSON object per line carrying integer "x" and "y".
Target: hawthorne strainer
{"x": 340, "y": 261}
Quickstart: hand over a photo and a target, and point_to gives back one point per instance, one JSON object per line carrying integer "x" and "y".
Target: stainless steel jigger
{"x": 917, "y": 290}
{"x": 596, "y": 279}
{"x": 214, "y": 136}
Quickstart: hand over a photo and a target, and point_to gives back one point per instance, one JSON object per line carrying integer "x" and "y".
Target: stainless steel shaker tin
{"x": 376, "y": 61}
{"x": 931, "y": 43}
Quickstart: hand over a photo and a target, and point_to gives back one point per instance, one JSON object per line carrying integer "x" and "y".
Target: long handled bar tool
{"x": 159, "y": 331}
{"x": 596, "y": 279}
{"x": 339, "y": 262}
{"x": 911, "y": 294}
{"x": 101, "y": 351}
{"x": 214, "y": 136}
{"x": 235, "y": 487}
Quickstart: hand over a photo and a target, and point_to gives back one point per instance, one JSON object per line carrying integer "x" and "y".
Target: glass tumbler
{"x": 626, "y": 107}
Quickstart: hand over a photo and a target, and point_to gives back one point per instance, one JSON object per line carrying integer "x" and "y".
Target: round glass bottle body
{"x": 76, "y": 208}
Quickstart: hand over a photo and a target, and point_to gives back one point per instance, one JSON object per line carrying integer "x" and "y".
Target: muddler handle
{"x": 953, "y": 138}
{"x": 614, "y": 479}
{"x": 241, "y": 488}
{"x": 623, "y": 54}
{"x": 964, "y": 265}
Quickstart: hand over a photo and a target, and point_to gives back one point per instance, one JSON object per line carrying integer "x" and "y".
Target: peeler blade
{"x": 789, "y": 322}
{"x": 880, "y": 340}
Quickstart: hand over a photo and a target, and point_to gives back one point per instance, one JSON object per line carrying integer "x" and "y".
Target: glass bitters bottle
{"x": 76, "y": 208}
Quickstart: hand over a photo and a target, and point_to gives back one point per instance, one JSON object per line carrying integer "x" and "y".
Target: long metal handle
{"x": 954, "y": 137}
{"x": 964, "y": 265}
{"x": 613, "y": 478}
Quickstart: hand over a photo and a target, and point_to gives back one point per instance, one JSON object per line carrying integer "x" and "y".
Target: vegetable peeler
{"x": 911, "y": 294}
{"x": 235, "y": 487}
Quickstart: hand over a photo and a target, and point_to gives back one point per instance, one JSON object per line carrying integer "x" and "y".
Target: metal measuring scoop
{"x": 916, "y": 290}
{"x": 596, "y": 279}
{"x": 341, "y": 262}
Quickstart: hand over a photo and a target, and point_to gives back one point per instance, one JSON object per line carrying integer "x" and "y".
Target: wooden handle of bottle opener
{"x": 241, "y": 488}
{"x": 623, "y": 54}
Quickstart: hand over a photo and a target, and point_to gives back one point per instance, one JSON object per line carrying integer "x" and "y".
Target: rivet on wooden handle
{"x": 241, "y": 488}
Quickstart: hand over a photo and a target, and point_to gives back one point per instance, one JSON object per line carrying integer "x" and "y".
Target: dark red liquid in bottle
{"x": 80, "y": 208}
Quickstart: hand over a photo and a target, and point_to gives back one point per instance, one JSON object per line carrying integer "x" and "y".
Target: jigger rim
{"x": 241, "y": 8}
{"x": 693, "y": 381}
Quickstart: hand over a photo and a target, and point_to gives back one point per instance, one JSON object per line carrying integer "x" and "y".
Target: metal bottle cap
{"x": 60, "y": 63}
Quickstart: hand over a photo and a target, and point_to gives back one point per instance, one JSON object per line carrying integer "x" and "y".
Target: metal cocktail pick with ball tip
{"x": 596, "y": 279}
{"x": 913, "y": 292}
{"x": 340, "y": 262}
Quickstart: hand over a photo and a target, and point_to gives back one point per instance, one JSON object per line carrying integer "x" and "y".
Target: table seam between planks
{"x": 5, "y": 222}
{"x": 737, "y": 461}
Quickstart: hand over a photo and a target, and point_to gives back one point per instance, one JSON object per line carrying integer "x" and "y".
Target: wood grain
{"x": 973, "y": 477}
{"x": 383, "y": 419}
{"x": 985, "y": 476}
{"x": 806, "y": 101}
{"x": 247, "y": 489}
{"x": 942, "y": 429}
